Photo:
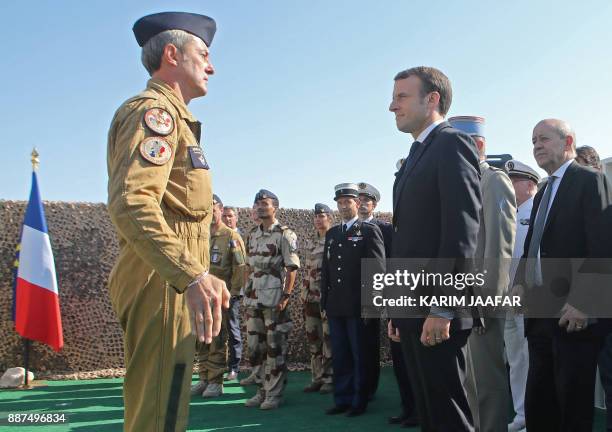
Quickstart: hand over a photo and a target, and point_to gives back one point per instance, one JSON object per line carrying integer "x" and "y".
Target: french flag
{"x": 36, "y": 301}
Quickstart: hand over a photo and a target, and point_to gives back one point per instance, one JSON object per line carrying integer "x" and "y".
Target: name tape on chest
{"x": 159, "y": 121}
{"x": 156, "y": 150}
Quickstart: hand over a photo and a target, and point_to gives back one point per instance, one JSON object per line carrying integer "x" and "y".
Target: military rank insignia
{"x": 156, "y": 150}
{"x": 159, "y": 121}
{"x": 215, "y": 256}
{"x": 197, "y": 158}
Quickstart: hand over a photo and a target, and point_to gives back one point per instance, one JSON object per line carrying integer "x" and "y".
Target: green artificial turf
{"x": 97, "y": 406}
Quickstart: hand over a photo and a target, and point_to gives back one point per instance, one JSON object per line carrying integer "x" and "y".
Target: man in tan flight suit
{"x": 160, "y": 202}
{"x": 227, "y": 262}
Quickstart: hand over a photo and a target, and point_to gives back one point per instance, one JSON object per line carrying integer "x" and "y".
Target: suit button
{"x": 339, "y": 268}
{"x": 339, "y": 280}
{"x": 339, "y": 256}
{"x": 339, "y": 244}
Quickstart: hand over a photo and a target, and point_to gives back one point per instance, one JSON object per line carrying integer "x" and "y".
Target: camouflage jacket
{"x": 269, "y": 253}
{"x": 311, "y": 288}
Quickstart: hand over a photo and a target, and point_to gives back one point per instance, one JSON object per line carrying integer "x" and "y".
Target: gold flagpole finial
{"x": 34, "y": 159}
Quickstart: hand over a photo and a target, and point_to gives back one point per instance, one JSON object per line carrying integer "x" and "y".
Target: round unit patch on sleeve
{"x": 156, "y": 150}
{"x": 159, "y": 121}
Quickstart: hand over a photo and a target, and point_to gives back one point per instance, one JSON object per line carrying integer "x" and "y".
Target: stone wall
{"x": 85, "y": 248}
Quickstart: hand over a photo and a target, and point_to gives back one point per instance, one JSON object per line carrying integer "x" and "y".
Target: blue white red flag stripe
{"x": 37, "y": 312}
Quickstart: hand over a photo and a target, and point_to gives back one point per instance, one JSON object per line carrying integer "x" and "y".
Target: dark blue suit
{"x": 436, "y": 207}
{"x": 341, "y": 299}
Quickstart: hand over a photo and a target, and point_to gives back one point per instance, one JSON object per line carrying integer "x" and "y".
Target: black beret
{"x": 199, "y": 25}
{"x": 217, "y": 200}
{"x": 263, "y": 194}
{"x": 322, "y": 208}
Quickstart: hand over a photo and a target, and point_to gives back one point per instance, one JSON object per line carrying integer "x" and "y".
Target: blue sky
{"x": 300, "y": 99}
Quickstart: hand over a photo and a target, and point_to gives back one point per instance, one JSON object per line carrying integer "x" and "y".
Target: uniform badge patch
{"x": 156, "y": 150}
{"x": 197, "y": 158}
{"x": 159, "y": 121}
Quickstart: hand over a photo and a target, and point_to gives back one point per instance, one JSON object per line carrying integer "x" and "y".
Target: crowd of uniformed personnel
{"x": 182, "y": 262}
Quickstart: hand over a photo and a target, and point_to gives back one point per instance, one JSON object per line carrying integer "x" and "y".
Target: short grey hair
{"x": 562, "y": 128}
{"x": 154, "y": 48}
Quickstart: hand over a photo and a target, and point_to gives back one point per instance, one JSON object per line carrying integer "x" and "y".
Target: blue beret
{"x": 199, "y": 25}
{"x": 217, "y": 200}
{"x": 322, "y": 208}
{"x": 471, "y": 125}
{"x": 263, "y": 194}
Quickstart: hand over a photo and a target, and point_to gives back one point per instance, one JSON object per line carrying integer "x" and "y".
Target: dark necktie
{"x": 533, "y": 272}
{"x": 343, "y": 228}
{"x": 413, "y": 148}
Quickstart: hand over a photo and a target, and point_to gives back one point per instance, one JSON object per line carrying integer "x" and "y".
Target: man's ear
{"x": 434, "y": 99}
{"x": 170, "y": 55}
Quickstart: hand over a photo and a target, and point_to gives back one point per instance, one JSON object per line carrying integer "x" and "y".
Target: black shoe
{"x": 354, "y": 412}
{"x": 313, "y": 387}
{"x": 410, "y": 421}
{"x": 396, "y": 419}
{"x": 337, "y": 409}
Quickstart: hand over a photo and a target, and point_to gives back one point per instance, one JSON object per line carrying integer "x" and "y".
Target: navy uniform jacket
{"x": 341, "y": 270}
{"x": 387, "y": 231}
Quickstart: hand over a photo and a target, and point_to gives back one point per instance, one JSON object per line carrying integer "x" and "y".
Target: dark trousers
{"x": 372, "y": 355}
{"x": 561, "y": 378}
{"x": 403, "y": 381}
{"x": 234, "y": 335}
{"x": 347, "y": 338}
{"x": 605, "y": 371}
{"x": 437, "y": 375}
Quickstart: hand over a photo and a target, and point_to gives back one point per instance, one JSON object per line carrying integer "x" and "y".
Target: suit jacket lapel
{"x": 566, "y": 183}
{"x": 409, "y": 165}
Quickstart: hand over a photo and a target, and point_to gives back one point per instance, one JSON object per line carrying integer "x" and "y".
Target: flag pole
{"x": 26, "y": 360}
{"x": 26, "y": 342}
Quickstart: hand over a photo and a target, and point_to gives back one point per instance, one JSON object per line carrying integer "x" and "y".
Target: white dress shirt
{"x": 350, "y": 223}
{"x": 522, "y": 226}
{"x": 423, "y": 135}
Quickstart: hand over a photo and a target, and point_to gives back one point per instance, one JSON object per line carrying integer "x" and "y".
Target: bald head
{"x": 554, "y": 143}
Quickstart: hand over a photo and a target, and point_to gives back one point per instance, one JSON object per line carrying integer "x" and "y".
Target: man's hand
{"x": 518, "y": 290}
{"x": 393, "y": 332}
{"x": 208, "y": 293}
{"x": 480, "y": 330}
{"x": 282, "y": 304}
{"x": 572, "y": 319}
{"x": 435, "y": 331}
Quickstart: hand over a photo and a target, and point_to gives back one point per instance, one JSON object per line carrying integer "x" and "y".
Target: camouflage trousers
{"x": 267, "y": 333}
{"x": 211, "y": 359}
{"x": 319, "y": 343}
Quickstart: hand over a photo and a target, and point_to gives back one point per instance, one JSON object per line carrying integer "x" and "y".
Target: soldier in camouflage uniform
{"x": 227, "y": 262}
{"x": 252, "y": 378}
{"x": 315, "y": 321}
{"x": 273, "y": 261}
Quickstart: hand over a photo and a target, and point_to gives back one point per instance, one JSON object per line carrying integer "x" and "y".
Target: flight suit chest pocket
{"x": 199, "y": 192}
